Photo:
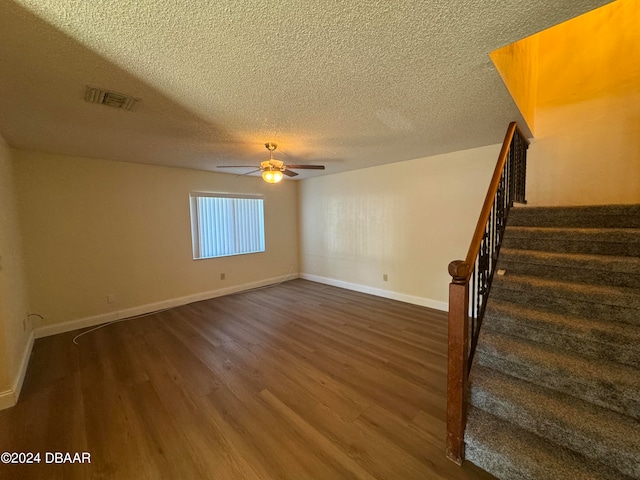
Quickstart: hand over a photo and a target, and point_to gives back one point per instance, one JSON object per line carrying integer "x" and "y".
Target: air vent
{"x": 110, "y": 99}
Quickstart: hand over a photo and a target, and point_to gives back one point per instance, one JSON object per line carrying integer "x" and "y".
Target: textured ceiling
{"x": 346, "y": 84}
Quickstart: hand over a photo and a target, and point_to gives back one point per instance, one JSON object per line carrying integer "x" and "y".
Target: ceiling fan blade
{"x": 249, "y": 173}
{"x": 289, "y": 173}
{"x": 235, "y": 166}
{"x": 306, "y": 167}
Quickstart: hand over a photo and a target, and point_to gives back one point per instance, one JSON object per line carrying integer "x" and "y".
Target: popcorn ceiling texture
{"x": 349, "y": 84}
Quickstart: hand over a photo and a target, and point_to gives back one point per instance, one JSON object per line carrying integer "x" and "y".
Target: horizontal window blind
{"x": 226, "y": 225}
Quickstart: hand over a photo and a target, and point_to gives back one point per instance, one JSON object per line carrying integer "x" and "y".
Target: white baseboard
{"x": 9, "y": 398}
{"x": 22, "y": 372}
{"x": 379, "y": 292}
{"x": 94, "y": 320}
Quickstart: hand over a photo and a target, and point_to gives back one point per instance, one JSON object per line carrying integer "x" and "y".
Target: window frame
{"x": 195, "y": 222}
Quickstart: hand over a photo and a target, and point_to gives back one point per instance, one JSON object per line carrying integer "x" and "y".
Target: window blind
{"x": 226, "y": 225}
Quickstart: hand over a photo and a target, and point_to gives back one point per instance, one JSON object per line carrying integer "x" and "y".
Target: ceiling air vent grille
{"x": 110, "y": 99}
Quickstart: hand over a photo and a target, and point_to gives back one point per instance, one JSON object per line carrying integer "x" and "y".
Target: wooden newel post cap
{"x": 459, "y": 271}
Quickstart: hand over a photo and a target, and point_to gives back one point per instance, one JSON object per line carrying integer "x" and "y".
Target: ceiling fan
{"x": 272, "y": 169}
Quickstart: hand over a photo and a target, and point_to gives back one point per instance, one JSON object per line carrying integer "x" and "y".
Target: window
{"x": 226, "y": 224}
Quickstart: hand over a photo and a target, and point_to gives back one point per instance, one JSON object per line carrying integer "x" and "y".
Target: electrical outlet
{"x": 222, "y": 276}
{"x": 111, "y": 298}
{"x": 385, "y": 277}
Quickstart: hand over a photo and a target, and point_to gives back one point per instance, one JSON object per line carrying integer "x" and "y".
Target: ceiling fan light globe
{"x": 272, "y": 176}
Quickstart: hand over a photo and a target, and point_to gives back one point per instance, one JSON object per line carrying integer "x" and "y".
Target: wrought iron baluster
{"x": 494, "y": 222}
{"x": 501, "y": 200}
{"x": 472, "y": 279}
{"x": 473, "y": 304}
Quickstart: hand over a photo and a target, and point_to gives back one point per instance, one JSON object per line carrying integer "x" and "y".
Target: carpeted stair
{"x": 555, "y": 382}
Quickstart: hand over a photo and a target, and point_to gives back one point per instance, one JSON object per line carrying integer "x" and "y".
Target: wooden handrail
{"x": 461, "y": 271}
{"x": 506, "y": 186}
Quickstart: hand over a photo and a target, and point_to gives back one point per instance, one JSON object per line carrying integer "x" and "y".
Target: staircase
{"x": 555, "y": 385}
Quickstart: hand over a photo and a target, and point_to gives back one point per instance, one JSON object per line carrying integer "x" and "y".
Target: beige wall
{"x": 96, "y": 227}
{"x": 14, "y": 328}
{"x": 5, "y": 382}
{"x": 586, "y": 154}
{"x": 408, "y": 220}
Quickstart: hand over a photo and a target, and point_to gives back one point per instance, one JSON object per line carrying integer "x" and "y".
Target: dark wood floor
{"x": 299, "y": 381}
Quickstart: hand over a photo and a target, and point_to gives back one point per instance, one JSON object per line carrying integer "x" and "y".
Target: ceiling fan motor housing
{"x": 272, "y": 164}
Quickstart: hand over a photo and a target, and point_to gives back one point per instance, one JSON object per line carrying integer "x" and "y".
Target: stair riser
{"x": 563, "y": 245}
{"x": 612, "y": 396}
{"x": 571, "y": 273}
{"x": 556, "y": 430}
{"x": 498, "y": 466}
{"x": 627, "y": 216}
{"x": 570, "y": 304}
{"x": 598, "y": 350}
{"x": 511, "y": 453}
{"x": 593, "y": 221}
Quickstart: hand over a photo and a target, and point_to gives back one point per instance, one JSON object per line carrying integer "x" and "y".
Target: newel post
{"x": 458, "y": 346}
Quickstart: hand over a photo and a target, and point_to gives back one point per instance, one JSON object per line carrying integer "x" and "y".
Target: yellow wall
{"x": 587, "y": 145}
{"x": 96, "y": 227}
{"x": 586, "y": 148}
{"x": 517, "y": 64}
{"x": 596, "y": 55}
{"x": 408, "y": 220}
{"x": 14, "y": 334}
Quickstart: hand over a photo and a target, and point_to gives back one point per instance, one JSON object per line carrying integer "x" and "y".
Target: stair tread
{"x": 510, "y": 452}
{"x": 597, "y": 339}
{"x": 609, "y": 235}
{"x": 515, "y": 348}
{"x": 597, "y": 330}
{"x": 607, "y": 294}
{"x": 612, "y": 231}
{"x": 571, "y": 422}
{"x": 603, "y": 241}
{"x": 617, "y": 263}
{"x": 608, "y": 209}
{"x": 592, "y": 215}
{"x": 611, "y": 385}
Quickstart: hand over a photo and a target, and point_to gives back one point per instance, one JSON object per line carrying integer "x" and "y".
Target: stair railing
{"x": 472, "y": 278}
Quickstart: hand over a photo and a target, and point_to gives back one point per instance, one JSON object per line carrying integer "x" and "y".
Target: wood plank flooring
{"x": 298, "y": 381}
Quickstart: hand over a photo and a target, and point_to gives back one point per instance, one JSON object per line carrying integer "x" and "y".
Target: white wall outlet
{"x": 111, "y": 298}
{"x": 222, "y": 276}
{"x": 385, "y": 277}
